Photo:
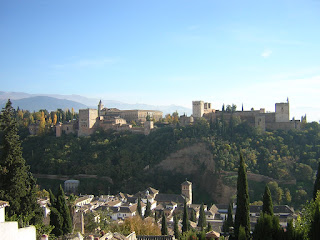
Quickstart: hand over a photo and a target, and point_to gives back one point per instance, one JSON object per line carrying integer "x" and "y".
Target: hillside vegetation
{"x": 206, "y": 153}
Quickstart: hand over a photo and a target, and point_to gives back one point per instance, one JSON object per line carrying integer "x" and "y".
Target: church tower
{"x": 100, "y": 106}
{"x": 186, "y": 190}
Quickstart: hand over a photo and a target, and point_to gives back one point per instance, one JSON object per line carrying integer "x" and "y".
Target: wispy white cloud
{"x": 87, "y": 63}
{"x": 266, "y": 53}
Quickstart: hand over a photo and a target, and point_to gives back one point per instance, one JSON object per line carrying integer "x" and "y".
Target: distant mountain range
{"x": 51, "y": 102}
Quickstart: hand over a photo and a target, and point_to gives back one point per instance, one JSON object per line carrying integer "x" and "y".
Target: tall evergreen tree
{"x": 139, "y": 210}
{"x": 176, "y": 227}
{"x": 185, "y": 220}
{"x": 193, "y": 216}
{"x": 209, "y": 227}
{"x": 314, "y": 232}
{"x": 267, "y": 206}
{"x": 242, "y": 233}
{"x": 17, "y": 185}
{"x": 164, "y": 227}
{"x": 267, "y": 227}
{"x": 148, "y": 212}
{"x": 229, "y": 221}
{"x": 56, "y": 220}
{"x": 60, "y": 216}
{"x": 242, "y": 213}
{"x": 316, "y": 184}
{"x": 64, "y": 210}
{"x": 202, "y": 223}
{"x": 53, "y": 199}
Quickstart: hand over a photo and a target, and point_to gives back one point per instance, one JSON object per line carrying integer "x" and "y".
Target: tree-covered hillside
{"x": 131, "y": 160}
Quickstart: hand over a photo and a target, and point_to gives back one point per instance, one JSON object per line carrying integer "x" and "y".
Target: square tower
{"x": 197, "y": 109}
{"x": 87, "y": 121}
{"x": 186, "y": 190}
{"x": 282, "y": 112}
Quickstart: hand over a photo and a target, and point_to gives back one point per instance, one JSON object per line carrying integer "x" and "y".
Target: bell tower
{"x": 186, "y": 191}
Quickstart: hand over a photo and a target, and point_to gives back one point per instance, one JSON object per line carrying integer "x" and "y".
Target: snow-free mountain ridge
{"x": 51, "y": 102}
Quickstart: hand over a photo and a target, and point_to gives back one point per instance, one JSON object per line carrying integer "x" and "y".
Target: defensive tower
{"x": 282, "y": 112}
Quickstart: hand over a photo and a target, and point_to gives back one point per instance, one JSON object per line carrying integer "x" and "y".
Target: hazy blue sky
{"x": 165, "y": 52}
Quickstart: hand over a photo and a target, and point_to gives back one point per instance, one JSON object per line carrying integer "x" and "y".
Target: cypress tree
{"x": 316, "y": 184}
{"x": 53, "y": 199}
{"x": 164, "y": 227}
{"x": 148, "y": 212}
{"x": 242, "y": 213}
{"x": 17, "y": 185}
{"x": 185, "y": 220}
{"x": 202, "y": 218}
{"x": 242, "y": 233}
{"x": 267, "y": 206}
{"x": 264, "y": 227}
{"x": 209, "y": 227}
{"x": 229, "y": 221}
{"x": 64, "y": 211}
{"x": 139, "y": 207}
{"x": 192, "y": 215}
{"x": 56, "y": 220}
{"x": 290, "y": 230}
{"x": 176, "y": 227}
{"x": 314, "y": 232}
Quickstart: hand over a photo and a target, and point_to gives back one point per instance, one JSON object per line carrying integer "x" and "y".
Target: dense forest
{"x": 127, "y": 162}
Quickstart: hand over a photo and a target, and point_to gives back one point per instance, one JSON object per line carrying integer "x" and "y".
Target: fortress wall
{"x": 248, "y": 116}
{"x": 283, "y": 125}
{"x": 270, "y": 117}
{"x": 260, "y": 122}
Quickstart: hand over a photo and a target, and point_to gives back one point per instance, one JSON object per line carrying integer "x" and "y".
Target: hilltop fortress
{"x": 142, "y": 121}
{"x": 280, "y": 119}
{"x": 90, "y": 120}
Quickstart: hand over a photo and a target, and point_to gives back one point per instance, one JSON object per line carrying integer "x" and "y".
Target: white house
{"x": 84, "y": 200}
{"x": 10, "y": 230}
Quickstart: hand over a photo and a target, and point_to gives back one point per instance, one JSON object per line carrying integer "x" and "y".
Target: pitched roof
{"x": 124, "y": 209}
{"x": 213, "y": 234}
{"x": 283, "y": 209}
{"x": 112, "y": 203}
{"x": 276, "y": 209}
{"x": 186, "y": 183}
{"x": 213, "y": 209}
{"x": 152, "y": 190}
{"x": 162, "y": 197}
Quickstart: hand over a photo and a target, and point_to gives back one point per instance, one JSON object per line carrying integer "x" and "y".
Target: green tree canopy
{"x": 185, "y": 220}
{"x": 60, "y": 216}
{"x": 164, "y": 227}
{"x": 148, "y": 212}
{"x": 316, "y": 187}
{"x": 267, "y": 228}
{"x": 202, "y": 218}
{"x": 17, "y": 185}
{"x": 267, "y": 207}
{"x": 229, "y": 221}
{"x": 139, "y": 210}
{"x": 177, "y": 233}
{"x": 64, "y": 211}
